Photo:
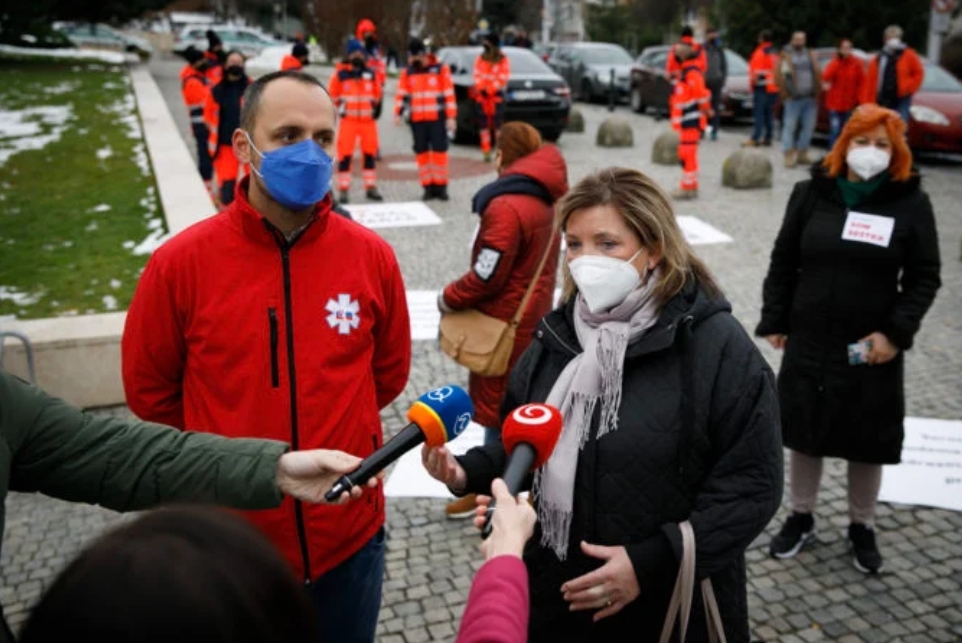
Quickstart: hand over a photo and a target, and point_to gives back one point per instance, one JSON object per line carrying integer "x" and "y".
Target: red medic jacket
{"x": 515, "y": 229}
{"x": 235, "y": 331}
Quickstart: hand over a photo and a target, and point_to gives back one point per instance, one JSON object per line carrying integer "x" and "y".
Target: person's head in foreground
{"x": 623, "y": 242}
{"x": 871, "y": 144}
{"x": 184, "y": 574}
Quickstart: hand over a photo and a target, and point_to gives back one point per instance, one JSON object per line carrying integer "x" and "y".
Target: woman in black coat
{"x": 854, "y": 269}
{"x": 669, "y": 415}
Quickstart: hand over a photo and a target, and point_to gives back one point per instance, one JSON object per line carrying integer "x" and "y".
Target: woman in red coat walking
{"x": 517, "y": 215}
{"x": 842, "y": 82}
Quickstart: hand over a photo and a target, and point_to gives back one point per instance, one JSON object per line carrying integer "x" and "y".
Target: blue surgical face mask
{"x": 296, "y": 176}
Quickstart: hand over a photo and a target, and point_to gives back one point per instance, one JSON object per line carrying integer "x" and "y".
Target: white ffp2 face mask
{"x": 604, "y": 282}
{"x": 868, "y": 161}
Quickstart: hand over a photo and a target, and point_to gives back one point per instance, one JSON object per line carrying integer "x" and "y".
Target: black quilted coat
{"x": 698, "y": 438}
{"x": 826, "y": 292}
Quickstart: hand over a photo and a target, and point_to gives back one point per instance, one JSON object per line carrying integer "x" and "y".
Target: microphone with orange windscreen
{"x": 529, "y": 434}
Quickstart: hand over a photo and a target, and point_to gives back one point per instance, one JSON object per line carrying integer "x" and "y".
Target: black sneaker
{"x": 441, "y": 192}
{"x": 861, "y": 540}
{"x": 344, "y": 198}
{"x": 797, "y": 530}
{"x": 373, "y": 195}
{"x": 428, "y": 193}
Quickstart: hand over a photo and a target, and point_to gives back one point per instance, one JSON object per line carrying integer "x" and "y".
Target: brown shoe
{"x": 684, "y": 195}
{"x": 790, "y": 159}
{"x": 803, "y": 158}
{"x": 462, "y": 507}
{"x": 750, "y": 143}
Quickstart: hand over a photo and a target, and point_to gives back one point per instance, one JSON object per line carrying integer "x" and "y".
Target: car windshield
{"x": 736, "y": 64}
{"x": 940, "y": 81}
{"x": 606, "y": 56}
{"x": 523, "y": 61}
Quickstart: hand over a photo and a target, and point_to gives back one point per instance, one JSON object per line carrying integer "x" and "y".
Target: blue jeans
{"x": 762, "y": 104}
{"x": 347, "y": 599}
{"x": 902, "y": 107}
{"x": 491, "y": 435}
{"x": 836, "y": 122}
{"x": 798, "y": 112}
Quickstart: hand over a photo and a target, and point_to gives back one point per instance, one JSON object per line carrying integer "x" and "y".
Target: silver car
{"x": 592, "y": 69}
{"x": 100, "y": 36}
{"x": 248, "y": 41}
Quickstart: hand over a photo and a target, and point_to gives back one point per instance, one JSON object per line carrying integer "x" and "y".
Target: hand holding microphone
{"x": 436, "y": 417}
{"x": 529, "y": 435}
{"x": 512, "y": 524}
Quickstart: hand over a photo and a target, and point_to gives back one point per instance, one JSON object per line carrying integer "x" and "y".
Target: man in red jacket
{"x": 277, "y": 318}
{"x": 894, "y": 75}
{"x": 761, "y": 77}
{"x": 842, "y": 83}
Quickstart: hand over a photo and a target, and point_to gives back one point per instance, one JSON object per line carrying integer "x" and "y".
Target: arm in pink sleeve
{"x": 497, "y": 609}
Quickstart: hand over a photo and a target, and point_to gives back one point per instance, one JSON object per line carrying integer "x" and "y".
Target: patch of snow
{"x": 112, "y": 57}
{"x": 65, "y": 87}
{"x": 20, "y": 298}
{"x": 155, "y": 224}
{"x": 68, "y": 244}
{"x": 103, "y": 207}
{"x": 110, "y": 302}
{"x": 141, "y": 160}
{"x": 115, "y": 283}
{"x": 68, "y": 313}
{"x": 91, "y": 226}
{"x": 151, "y": 243}
{"x": 20, "y": 130}
{"x": 129, "y": 245}
{"x": 104, "y": 153}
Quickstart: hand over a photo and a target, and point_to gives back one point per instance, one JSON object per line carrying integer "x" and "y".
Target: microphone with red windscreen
{"x": 529, "y": 435}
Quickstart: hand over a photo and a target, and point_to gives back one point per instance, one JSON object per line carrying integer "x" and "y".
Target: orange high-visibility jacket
{"x": 690, "y": 102}
{"x": 290, "y": 62}
{"x": 356, "y": 92}
{"x": 761, "y": 67}
{"x": 194, "y": 89}
{"x": 673, "y": 65}
{"x": 491, "y": 78}
{"x": 427, "y": 92}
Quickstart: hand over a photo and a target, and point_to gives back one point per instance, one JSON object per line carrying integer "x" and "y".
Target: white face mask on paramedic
{"x": 604, "y": 282}
{"x": 868, "y": 161}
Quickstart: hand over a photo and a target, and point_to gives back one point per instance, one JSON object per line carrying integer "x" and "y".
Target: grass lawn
{"x": 79, "y": 212}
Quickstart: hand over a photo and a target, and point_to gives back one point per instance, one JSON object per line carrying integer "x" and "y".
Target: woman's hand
{"x": 608, "y": 588}
{"x": 512, "y": 522}
{"x": 777, "y": 341}
{"x": 442, "y": 466}
{"x": 881, "y": 351}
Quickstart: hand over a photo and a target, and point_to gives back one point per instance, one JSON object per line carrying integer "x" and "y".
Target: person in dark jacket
{"x": 854, "y": 269}
{"x": 516, "y": 227}
{"x": 716, "y": 73}
{"x": 222, "y": 115}
{"x": 670, "y": 414}
{"x": 128, "y": 465}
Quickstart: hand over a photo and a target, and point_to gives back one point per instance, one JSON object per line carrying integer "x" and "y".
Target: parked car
{"x": 650, "y": 87}
{"x": 545, "y": 50}
{"x": 936, "y": 113}
{"x": 587, "y": 68}
{"x": 248, "y": 41}
{"x": 535, "y": 94}
{"x": 101, "y": 36}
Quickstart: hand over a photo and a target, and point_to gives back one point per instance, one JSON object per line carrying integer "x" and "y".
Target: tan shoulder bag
{"x": 681, "y": 597}
{"x": 482, "y": 343}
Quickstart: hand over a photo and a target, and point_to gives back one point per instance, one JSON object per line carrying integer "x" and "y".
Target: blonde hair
{"x": 647, "y": 210}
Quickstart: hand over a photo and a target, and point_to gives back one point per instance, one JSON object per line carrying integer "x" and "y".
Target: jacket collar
{"x": 255, "y": 227}
{"x": 888, "y": 191}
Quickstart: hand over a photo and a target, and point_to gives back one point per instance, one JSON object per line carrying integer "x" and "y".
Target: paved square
{"x": 430, "y": 561}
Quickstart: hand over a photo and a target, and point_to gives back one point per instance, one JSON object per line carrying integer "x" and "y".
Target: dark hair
{"x": 765, "y": 35}
{"x": 687, "y": 32}
{"x": 236, "y": 51}
{"x": 252, "y": 97}
{"x": 185, "y": 574}
{"x": 517, "y": 140}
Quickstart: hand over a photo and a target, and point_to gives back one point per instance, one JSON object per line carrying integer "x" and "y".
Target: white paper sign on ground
{"x": 425, "y": 318}
{"x": 393, "y": 215}
{"x": 930, "y": 473}
{"x": 697, "y": 232}
{"x": 409, "y": 479}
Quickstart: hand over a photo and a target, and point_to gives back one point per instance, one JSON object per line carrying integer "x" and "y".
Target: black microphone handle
{"x": 409, "y": 437}
{"x": 515, "y": 472}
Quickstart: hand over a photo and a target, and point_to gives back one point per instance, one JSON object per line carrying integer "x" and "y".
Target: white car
{"x": 100, "y": 36}
{"x": 248, "y": 41}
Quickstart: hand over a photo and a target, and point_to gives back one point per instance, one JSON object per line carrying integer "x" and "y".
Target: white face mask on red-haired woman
{"x": 868, "y": 161}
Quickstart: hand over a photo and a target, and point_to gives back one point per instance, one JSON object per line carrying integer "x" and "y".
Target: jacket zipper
{"x": 291, "y": 375}
{"x": 275, "y": 368}
{"x": 560, "y": 341}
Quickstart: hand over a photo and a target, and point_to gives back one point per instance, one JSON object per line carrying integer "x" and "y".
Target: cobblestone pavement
{"x": 430, "y": 560}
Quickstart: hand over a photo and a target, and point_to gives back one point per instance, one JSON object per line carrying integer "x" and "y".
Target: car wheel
{"x": 551, "y": 135}
{"x": 587, "y": 93}
{"x": 637, "y": 102}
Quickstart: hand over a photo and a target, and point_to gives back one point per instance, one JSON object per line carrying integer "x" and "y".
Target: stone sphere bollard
{"x": 665, "y": 149}
{"x": 615, "y": 132}
{"x": 747, "y": 169}
{"x": 576, "y": 121}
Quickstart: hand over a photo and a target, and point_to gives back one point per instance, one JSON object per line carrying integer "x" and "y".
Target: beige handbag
{"x": 681, "y": 597}
{"x": 482, "y": 343}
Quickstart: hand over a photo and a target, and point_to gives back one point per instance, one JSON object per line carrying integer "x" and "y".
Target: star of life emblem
{"x": 344, "y": 314}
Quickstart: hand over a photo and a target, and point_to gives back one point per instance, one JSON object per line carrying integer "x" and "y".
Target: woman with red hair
{"x": 854, "y": 269}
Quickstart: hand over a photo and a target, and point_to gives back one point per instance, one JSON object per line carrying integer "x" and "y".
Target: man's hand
{"x": 397, "y": 120}
{"x": 451, "y": 125}
{"x": 308, "y": 475}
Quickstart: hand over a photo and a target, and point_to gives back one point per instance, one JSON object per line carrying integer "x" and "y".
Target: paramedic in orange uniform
{"x": 491, "y": 72}
{"x": 690, "y": 107}
{"x": 194, "y": 88}
{"x": 222, "y": 115}
{"x": 296, "y": 59}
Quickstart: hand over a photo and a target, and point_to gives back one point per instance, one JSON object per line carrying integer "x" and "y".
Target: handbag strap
{"x": 682, "y": 595}
{"x": 516, "y": 320}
